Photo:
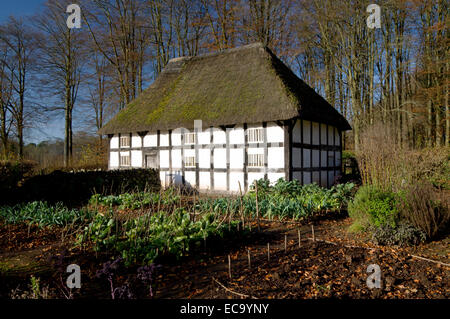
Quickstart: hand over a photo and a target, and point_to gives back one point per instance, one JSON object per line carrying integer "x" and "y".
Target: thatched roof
{"x": 243, "y": 85}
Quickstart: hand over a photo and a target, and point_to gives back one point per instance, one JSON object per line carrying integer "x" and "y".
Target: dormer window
{"x": 189, "y": 138}
{"x": 255, "y": 135}
{"x": 124, "y": 141}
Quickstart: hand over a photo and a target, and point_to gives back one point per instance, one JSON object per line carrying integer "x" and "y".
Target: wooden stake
{"x": 195, "y": 197}
{"x": 313, "y": 235}
{"x": 299, "y": 239}
{"x": 257, "y": 208}
{"x": 204, "y": 240}
{"x": 268, "y": 252}
{"x": 240, "y": 205}
{"x": 249, "y": 262}
{"x": 229, "y": 266}
{"x": 285, "y": 243}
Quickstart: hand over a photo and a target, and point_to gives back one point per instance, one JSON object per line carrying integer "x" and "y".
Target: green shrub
{"x": 78, "y": 187}
{"x": 402, "y": 235}
{"x": 12, "y": 173}
{"x": 373, "y": 207}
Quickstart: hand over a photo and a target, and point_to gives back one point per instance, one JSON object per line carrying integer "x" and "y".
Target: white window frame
{"x": 190, "y": 138}
{"x": 124, "y": 138}
{"x": 189, "y": 161}
{"x": 126, "y": 162}
{"x": 255, "y": 160}
{"x": 255, "y": 135}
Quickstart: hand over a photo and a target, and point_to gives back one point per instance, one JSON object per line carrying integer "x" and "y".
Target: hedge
{"x": 76, "y": 187}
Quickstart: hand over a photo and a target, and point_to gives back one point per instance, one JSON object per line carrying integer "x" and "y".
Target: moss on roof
{"x": 243, "y": 85}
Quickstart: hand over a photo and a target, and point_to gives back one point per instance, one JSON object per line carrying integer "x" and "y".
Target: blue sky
{"x": 22, "y": 8}
{"x": 18, "y": 8}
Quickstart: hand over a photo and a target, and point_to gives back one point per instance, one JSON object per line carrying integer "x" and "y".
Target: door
{"x": 151, "y": 161}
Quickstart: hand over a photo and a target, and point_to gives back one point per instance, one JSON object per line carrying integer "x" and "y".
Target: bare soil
{"x": 317, "y": 269}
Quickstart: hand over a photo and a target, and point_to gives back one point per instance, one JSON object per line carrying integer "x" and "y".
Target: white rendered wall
{"x": 296, "y": 132}
{"x": 114, "y": 142}
{"x": 297, "y": 157}
{"x": 219, "y": 136}
{"x": 306, "y": 158}
{"x": 237, "y": 135}
{"x": 204, "y": 137}
{"x": 164, "y": 159}
{"x": 164, "y": 139}
{"x": 307, "y": 178}
{"x": 136, "y": 141}
{"x": 136, "y": 159}
{"x": 220, "y": 158}
{"x": 176, "y": 159}
{"x": 113, "y": 159}
{"x": 189, "y": 177}
{"x": 205, "y": 180}
{"x": 204, "y": 160}
{"x": 236, "y": 158}
{"x": 323, "y": 134}
{"x": 304, "y": 132}
{"x": 150, "y": 140}
{"x": 315, "y": 133}
{"x": 254, "y": 176}
{"x": 235, "y": 179}
{"x": 273, "y": 177}
{"x": 275, "y": 157}
{"x": 275, "y": 133}
{"x": 337, "y": 138}
{"x": 220, "y": 181}
{"x": 176, "y": 138}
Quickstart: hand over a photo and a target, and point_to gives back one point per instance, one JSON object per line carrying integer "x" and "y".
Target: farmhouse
{"x": 225, "y": 119}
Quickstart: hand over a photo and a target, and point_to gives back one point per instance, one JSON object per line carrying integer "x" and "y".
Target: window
{"x": 124, "y": 160}
{"x": 124, "y": 141}
{"x": 189, "y": 161}
{"x": 189, "y": 138}
{"x": 255, "y": 135}
{"x": 255, "y": 160}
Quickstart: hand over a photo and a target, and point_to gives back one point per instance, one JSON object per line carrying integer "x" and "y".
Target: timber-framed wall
{"x": 294, "y": 149}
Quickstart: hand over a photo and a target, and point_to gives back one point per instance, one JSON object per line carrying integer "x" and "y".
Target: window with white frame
{"x": 189, "y": 138}
{"x": 189, "y": 161}
{"x": 255, "y": 135}
{"x": 125, "y": 141}
{"x": 125, "y": 160}
{"x": 255, "y": 160}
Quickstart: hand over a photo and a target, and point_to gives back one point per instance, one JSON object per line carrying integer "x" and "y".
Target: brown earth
{"x": 315, "y": 270}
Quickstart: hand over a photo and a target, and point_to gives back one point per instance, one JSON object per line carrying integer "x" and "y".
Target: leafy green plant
{"x": 145, "y": 238}
{"x": 373, "y": 207}
{"x": 43, "y": 214}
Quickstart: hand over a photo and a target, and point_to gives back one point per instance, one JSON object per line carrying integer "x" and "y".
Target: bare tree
{"x": 18, "y": 38}
{"x": 62, "y": 54}
{"x": 6, "y": 87}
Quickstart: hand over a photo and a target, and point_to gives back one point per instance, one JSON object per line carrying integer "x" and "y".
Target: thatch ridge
{"x": 248, "y": 84}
